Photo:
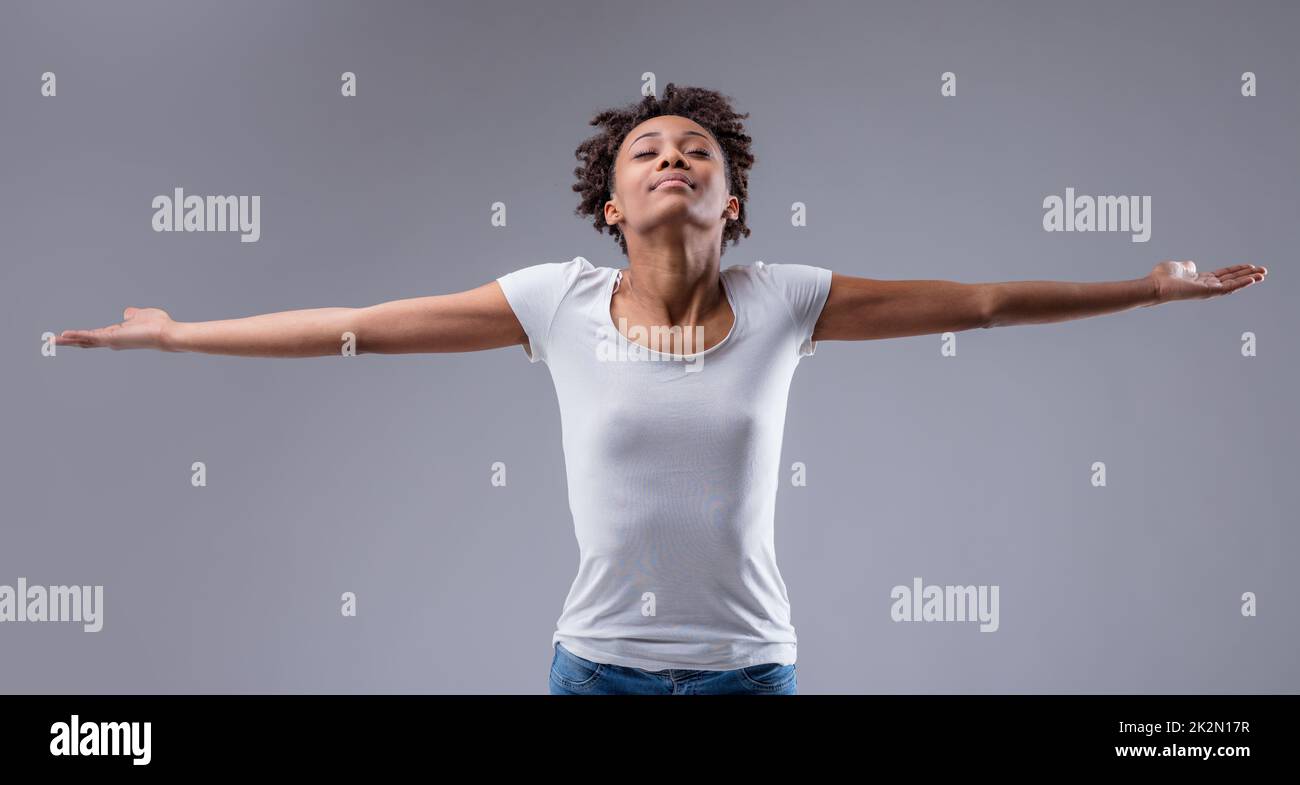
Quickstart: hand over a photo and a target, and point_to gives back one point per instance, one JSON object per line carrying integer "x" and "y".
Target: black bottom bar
{"x": 332, "y": 734}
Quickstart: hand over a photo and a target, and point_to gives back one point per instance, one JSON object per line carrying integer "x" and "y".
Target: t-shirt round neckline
{"x": 726, "y": 290}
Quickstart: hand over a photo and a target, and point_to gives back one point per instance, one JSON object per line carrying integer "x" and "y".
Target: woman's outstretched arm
{"x": 860, "y": 309}
{"x": 467, "y": 321}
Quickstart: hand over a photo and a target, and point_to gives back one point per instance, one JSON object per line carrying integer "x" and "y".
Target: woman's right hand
{"x": 141, "y": 328}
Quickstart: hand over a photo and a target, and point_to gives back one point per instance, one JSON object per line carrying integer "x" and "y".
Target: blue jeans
{"x": 574, "y": 675}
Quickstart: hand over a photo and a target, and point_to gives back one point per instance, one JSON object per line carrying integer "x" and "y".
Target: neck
{"x": 677, "y": 284}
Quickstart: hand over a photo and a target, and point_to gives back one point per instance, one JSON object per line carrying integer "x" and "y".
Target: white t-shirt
{"x": 672, "y": 463}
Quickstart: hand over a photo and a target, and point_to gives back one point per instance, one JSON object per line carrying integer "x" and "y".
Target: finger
{"x": 129, "y": 312}
{"x": 1230, "y": 270}
{"x": 1250, "y": 271}
{"x": 1250, "y": 276}
{"x": 1237, "y": 273}
{"x": 84, "y": 337}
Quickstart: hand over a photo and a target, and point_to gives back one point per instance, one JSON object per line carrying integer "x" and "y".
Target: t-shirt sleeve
{"x": 803, "y": 288}
{"x": 535, "y": 294}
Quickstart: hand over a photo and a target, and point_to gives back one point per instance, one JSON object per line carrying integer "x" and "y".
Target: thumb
{"x": 129, "y": 312}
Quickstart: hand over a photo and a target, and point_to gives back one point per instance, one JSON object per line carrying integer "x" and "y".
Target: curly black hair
{"x": 709, "y": 108}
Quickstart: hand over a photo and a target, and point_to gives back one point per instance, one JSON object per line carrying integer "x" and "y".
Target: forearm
{"x": 1039, "y": 302}
{"x": 312, "y": 332}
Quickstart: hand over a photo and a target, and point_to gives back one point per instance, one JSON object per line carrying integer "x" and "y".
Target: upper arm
{"x": 466, "y": 321}
{"x": 860, "y": 309}
{"x": 516, "y": 308}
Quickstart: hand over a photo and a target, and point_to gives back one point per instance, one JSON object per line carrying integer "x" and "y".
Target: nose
{"x": 674, "y": 161}
{"x": 673, "y": 157}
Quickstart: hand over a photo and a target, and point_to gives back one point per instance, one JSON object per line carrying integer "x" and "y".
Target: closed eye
{"x": 652, "y": 152}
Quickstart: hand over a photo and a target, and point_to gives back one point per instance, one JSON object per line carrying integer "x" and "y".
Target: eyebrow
{"x": 657, "y": 133}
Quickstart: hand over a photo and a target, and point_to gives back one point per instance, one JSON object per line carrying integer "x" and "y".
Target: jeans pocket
{"x": 573, "y": 671}
{"x": 768, "y": 676}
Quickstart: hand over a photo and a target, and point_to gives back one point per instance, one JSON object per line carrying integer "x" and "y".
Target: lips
{"x": 673, "y": 180}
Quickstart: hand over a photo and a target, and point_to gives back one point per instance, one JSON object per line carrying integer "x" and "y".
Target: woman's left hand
{"x": 1180, "y": 281}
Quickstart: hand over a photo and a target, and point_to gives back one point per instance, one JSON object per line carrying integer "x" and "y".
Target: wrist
{"x": 1155, "y": 292}
{"x": 169, "y": 337}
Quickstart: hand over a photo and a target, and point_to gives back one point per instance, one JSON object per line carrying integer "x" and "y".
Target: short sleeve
{"x": 804, "y": 289}
{"x": 535, "y": 294}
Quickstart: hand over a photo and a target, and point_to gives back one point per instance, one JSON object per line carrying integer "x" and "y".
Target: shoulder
{"x": 800, "y": 285}
{"x": 538, "y": 292}
{"x": 798, "y": 291}
{"x": 550, "y": 281}
{"x": 783, "y": 273}
{"x": 553, "y": 272}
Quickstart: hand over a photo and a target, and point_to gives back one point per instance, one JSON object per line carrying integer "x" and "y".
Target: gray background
{"x": 372, "y": 475}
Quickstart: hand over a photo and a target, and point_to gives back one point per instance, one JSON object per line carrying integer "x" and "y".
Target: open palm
{"x": 1180, "y": 281}
{"x": 141, "y": 328}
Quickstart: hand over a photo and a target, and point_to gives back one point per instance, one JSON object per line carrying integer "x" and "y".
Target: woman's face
{"x": 670, "y": 145}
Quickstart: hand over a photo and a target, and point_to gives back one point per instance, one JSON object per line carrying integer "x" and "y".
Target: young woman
{"x": 672, "y": 376}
